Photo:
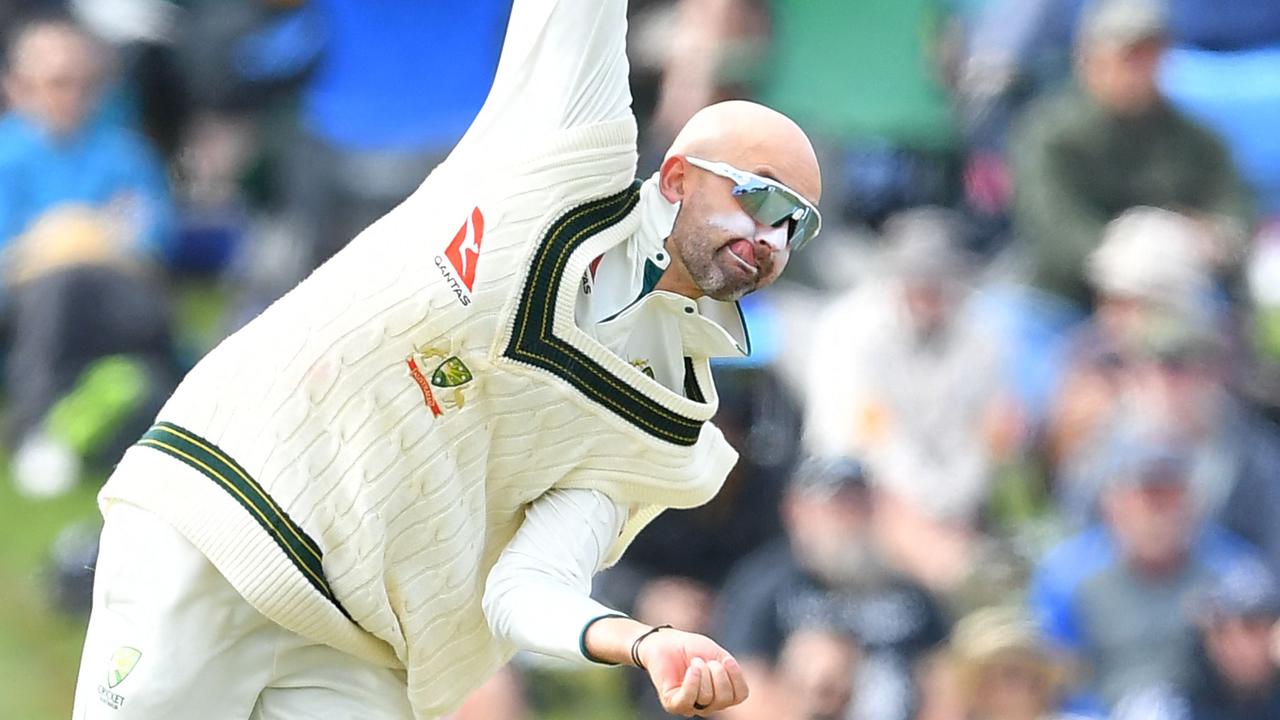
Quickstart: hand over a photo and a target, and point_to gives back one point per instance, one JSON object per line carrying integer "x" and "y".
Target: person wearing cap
{"x": 1239, "y": 676}
{"x": 1085, "y": 155}
{"x": 86, "y": 216}
{"x": 907, "y": 374}
{"x": 828, "y": 567}
{"x": 1148, "y": 281}
{"x": 1116, "y": 594}
{"x": 1003, "y": 667}
{"x": 1154, "y": 345}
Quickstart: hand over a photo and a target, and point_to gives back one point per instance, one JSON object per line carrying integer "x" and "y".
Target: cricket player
{"x": 408, "y": 468}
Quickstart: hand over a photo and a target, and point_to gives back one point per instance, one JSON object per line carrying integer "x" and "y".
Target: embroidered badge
{"x": 122, "y": 662}
{"x": 443, "y": 388}
{"x": 459, "y": 260}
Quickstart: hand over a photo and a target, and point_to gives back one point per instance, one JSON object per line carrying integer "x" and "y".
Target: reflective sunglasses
{"x": 768, "y": 202}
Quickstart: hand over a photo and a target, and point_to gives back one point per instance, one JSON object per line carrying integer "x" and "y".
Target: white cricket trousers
{"x": 170, "y": 639}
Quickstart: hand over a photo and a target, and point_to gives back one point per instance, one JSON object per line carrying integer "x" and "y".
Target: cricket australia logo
{"x": 122, "y": 662}
{"x": 458, "y": 263}
{"x": 443, "y": 388}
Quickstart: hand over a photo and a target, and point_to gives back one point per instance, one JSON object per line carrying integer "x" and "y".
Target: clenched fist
{"x": 691, "y": 673}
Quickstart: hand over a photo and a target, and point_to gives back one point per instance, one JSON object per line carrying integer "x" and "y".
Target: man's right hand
{"x": 692, "y": 674}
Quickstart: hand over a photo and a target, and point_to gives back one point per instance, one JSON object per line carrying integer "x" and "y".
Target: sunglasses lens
{"x": 770, "y": 206}
{"x": 767, "y": 206}
{"x": 805, "y": 231}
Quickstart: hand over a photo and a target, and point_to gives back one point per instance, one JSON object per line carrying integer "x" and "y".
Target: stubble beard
{"x": 699, "y": 258}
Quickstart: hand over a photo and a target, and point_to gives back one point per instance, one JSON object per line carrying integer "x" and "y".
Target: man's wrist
{"x": 582, "y": 639}
{"x": 635, "y": 646}
{"x": 609, "y": 639}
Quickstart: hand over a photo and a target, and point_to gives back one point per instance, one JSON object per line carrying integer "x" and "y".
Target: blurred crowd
{"x": 1008, "y": 442}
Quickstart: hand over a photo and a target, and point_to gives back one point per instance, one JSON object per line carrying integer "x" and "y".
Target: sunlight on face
{"x": 725, "y": 252}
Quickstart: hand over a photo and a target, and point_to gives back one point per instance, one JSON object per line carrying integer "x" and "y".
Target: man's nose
{"x": 770, "y": 239}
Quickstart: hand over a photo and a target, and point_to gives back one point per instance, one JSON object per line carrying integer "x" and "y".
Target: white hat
{"x": 1153, "y": 255}
{"x": 1121, "y": 22}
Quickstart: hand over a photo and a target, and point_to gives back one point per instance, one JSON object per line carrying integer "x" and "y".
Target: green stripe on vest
{"x": 219, "y": 467}
{"x": 533, "y": 341}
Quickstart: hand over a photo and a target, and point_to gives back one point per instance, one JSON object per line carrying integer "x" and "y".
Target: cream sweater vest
{"x": 356, "y": 497}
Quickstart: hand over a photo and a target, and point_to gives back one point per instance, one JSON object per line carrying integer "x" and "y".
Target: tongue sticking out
{"x": 742, "y": 248}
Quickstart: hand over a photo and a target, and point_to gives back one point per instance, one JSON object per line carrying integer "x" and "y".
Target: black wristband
{"x": 635, "y": 646}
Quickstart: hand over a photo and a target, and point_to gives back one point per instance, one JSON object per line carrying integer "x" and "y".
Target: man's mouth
{"x": 741, "y": 251}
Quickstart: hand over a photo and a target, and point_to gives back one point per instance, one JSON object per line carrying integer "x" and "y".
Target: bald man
{"x": 408, "y": 468}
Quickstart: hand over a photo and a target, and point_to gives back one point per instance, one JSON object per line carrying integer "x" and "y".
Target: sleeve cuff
{"x": 582, "y": 637}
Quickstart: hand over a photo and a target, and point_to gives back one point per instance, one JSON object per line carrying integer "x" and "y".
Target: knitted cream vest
{"x": 355, "y": 459}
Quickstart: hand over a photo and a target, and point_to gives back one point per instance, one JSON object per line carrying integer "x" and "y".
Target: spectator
{"x": 1005, "y": 670}
{"x": 828, "y": 569}
{"x": 1239, "y": 677}
{"x": 83, "y": 205}
{"x": 817, "y": 667}
{"x": 1146, "y": 267}
{"x": 906, "y": 374}
{"x": 1014, "y": 51}
{"x": 1152, "y": 347}
{"x": 1087, "y": 154}
{"x": 1116, "y": 594}
{"x": 56, "y": 151}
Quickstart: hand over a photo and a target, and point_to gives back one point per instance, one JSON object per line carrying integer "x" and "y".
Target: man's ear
{"x": 671, "y": 179}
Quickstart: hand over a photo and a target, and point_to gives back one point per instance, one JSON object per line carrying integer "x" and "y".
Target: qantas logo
{"x": 589, "y": 277}
{"x": 464, "y": 254}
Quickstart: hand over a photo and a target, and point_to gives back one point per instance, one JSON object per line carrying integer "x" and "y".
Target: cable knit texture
{"x": 315, "y": 400}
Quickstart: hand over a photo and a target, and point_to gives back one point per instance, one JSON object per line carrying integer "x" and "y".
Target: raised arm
{"x": 563, "y": 65}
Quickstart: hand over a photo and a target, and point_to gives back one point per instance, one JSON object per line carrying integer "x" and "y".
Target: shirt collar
{"x": 657, "y": 217}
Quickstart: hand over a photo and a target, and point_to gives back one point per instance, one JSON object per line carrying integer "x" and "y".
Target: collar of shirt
{"x": 618, "y": 287}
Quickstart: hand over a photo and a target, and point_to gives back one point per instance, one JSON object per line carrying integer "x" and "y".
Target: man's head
{"x": 1238, "y": 613}
{"x": 817, "y": 668}
{"x": 1145, "y": 499}
{"x": 1005, "y": 669}
{"x": 54, "y": 73}
{"x": 718, "y": 249}
{"x": 827, "y": 514}
{"x": 1118, "y": 49}
{"x": 927, "y": 256}
{"x": 1149, "y": 260}
{"x": 1178, "y": 376}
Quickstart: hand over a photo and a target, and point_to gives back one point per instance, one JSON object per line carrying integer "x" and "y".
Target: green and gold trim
{"x": 226, "y": 473}
{"x": 534, "y": 342}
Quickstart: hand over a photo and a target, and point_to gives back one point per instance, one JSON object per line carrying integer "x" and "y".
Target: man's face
{"x": 1122, "y": 77}
{"x": 1014, "y": 685}
{"x": 930, "y": 301}
{"x": 829, "y": 532}
{"x": 817, "y": 669}
{"x": 1183, "y": 388}
{"x": 1240, "y": 648}
{"x": 1152, "y": 521}
{"x": 723, "y": 251}
{"x": 55, "y": 77}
